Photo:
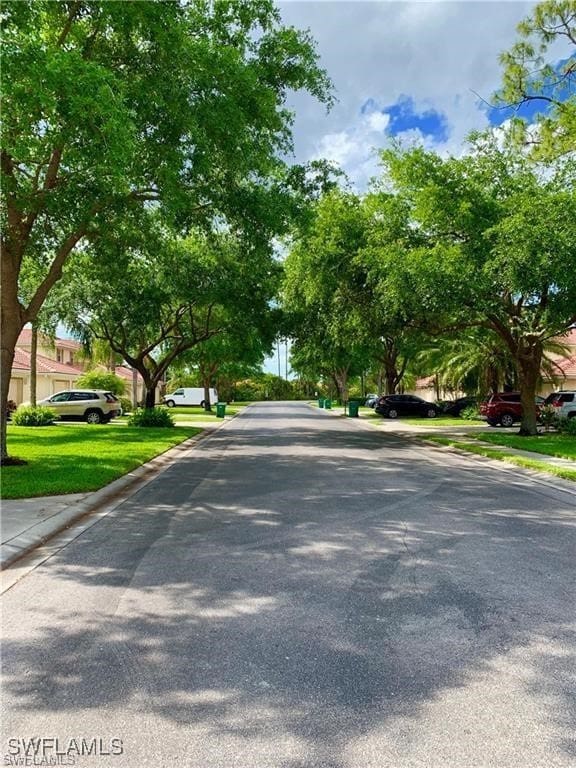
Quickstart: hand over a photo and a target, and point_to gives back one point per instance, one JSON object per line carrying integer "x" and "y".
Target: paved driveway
{"x": 304, "y": 591}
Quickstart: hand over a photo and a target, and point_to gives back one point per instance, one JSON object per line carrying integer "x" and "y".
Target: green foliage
{"x": 266, "y": 386}
{"x": 126, "y": 404}
{"x": 101, "y": 380}
{"x": 33, "y": 416}
{"x": 529, "y": 77}
{"x": 566, "y": 426}
{"x": 151, "y": 417}
{"x": 547, "y": 416}
{"x": 470, "y": 414}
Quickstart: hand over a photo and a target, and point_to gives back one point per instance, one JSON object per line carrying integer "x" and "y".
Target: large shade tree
{"x": 498, "y": 253}
{"x": 108, "y": 106}
{"x": 162, "y": 296}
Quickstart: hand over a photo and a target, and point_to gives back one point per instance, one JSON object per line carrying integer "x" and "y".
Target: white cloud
{"x": 438, "y": 53}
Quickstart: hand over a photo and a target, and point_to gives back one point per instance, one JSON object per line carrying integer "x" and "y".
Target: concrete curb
{"x": 543, "y": 478}
{"x": 102, "y": 501}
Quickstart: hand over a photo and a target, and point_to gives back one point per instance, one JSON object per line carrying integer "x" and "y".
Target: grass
{"x": 445, "y": 421}
{"x": 551, "y": 444}
{"x": 77, "y": 458}
{"x": 519, "y": 461}
{"x": 195, "y": 413}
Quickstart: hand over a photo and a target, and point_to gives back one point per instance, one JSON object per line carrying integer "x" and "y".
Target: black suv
{"x": 393, "y": 406}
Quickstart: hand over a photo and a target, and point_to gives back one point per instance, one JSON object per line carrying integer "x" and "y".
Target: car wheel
{"x": 392, "y": 413}
{"x": 170, "y": 403}
{"x": 431, "y": 413}
{"x": 507, "y": 420}
{"x": 203, "y": 404}
{"x": 94, "y": 417}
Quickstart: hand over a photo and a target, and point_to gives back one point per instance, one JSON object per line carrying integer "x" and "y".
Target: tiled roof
{"x": 25, "y": 340}
{"x": 568, "y": 338}
{"x": 43, "y": 364}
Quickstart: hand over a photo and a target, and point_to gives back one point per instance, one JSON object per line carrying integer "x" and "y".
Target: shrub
{"x": 30, "y": 416}
{"x": 101, "y": 380}
{"x": 566, "y": 426}
{"x": 126, "y": 404}
{"x": 547, "y": 416}
{"x": 470, "y": 413}
{"x": 151, "y": 417}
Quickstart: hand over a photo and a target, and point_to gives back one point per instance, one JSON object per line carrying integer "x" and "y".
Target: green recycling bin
{"x": 220, "y": 410}
{"x": 353, "y": 406}
{"x": 320, "y": 402}
{"x": 328, "y": 404}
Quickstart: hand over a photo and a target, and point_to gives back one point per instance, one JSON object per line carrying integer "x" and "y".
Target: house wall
{"x": 46, "y": 385}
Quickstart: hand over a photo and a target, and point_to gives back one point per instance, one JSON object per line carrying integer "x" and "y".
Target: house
{"x": 58, "y": 366}
{"x": 59, "y": 363}
{"x": 564, "y": 378}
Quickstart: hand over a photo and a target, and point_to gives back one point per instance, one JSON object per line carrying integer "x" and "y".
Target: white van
{"x": 189, "y": 396}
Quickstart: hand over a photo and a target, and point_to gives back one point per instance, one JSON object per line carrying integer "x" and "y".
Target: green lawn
{"x": 551, "y": 444}
{"x": 494, "y": 453}
{"x": 444, "y": 421}
{"x": 75, "y": 458}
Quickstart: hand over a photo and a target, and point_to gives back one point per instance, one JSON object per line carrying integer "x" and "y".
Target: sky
{"x": 417, "y": 71}
{"x": 413, "y": 71}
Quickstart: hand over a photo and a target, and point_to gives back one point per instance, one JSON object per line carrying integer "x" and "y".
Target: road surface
{"x": 302, "y": 592}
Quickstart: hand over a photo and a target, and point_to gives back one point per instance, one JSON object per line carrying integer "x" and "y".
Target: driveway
{"x": 303, "y": 591}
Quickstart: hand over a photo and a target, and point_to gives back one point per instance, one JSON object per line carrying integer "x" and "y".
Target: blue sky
{"x": 414, "y": 71}
{"x": 418, "y": 72}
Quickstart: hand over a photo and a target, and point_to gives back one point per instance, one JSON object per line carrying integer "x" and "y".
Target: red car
{"x": 504, "y": 408}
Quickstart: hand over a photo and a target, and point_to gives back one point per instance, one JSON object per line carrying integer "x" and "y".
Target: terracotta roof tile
{"x": 43, "y": 364}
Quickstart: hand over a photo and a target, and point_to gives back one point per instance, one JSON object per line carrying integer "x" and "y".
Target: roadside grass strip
{"x": 548, "y": 443}
{"x": 80, "y": 458}
{"x": 491, "y": 453}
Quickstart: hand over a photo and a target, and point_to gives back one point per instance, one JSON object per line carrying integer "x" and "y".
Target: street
{"x": 303, "y": 591}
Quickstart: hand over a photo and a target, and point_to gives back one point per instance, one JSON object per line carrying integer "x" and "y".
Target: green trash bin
{"x": 328, "y": 405}
{"x": 320, "y": 402}
{"x": 220, "y": 410}
{"x": 353, "y": 406}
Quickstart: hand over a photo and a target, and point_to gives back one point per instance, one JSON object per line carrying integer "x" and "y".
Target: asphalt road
{"x": 302, "y": 592}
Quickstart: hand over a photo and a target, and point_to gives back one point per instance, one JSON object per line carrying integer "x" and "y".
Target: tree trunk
{"x": 341, "y": 379}
{"x": 12, "y": 321}
{"x": 33, "y": 365}
{"x": 207, "y": 404}
{"x": 529, "y": 378}
{"x": 150, "y": 400}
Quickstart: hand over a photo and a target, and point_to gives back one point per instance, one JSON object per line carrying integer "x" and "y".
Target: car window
{"x": 179, "y": 392}
{"x": 80, "y": 396}
{"x": 60, "y": 397}
{"x": 567, "y": 398}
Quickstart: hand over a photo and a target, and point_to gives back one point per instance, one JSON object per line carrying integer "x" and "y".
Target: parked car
{"x": 455, "y": 407}
{"x": 371, "y": 400}
{"x": 504, "y": 408}
{"x": 95, "y": 406}
{"x": 564, "y": 403}
{"x": 393, "y": 406}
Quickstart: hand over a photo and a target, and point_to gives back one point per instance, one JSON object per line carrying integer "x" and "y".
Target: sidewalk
{"x": 29, "y": 523}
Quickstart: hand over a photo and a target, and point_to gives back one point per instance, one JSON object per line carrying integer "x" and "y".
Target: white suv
{"x": 92, "y": 405}
{"x": 564, "y": 402}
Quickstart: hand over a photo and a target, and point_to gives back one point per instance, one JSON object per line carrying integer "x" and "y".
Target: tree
{"x": 528, "y": 79}
{"x": 169, "y": 294}
{"x": 108, "y": 107}
{"x": 498, "y": 251}
{"x": 321, "y": 281}
{"x": 240, "y": 347}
